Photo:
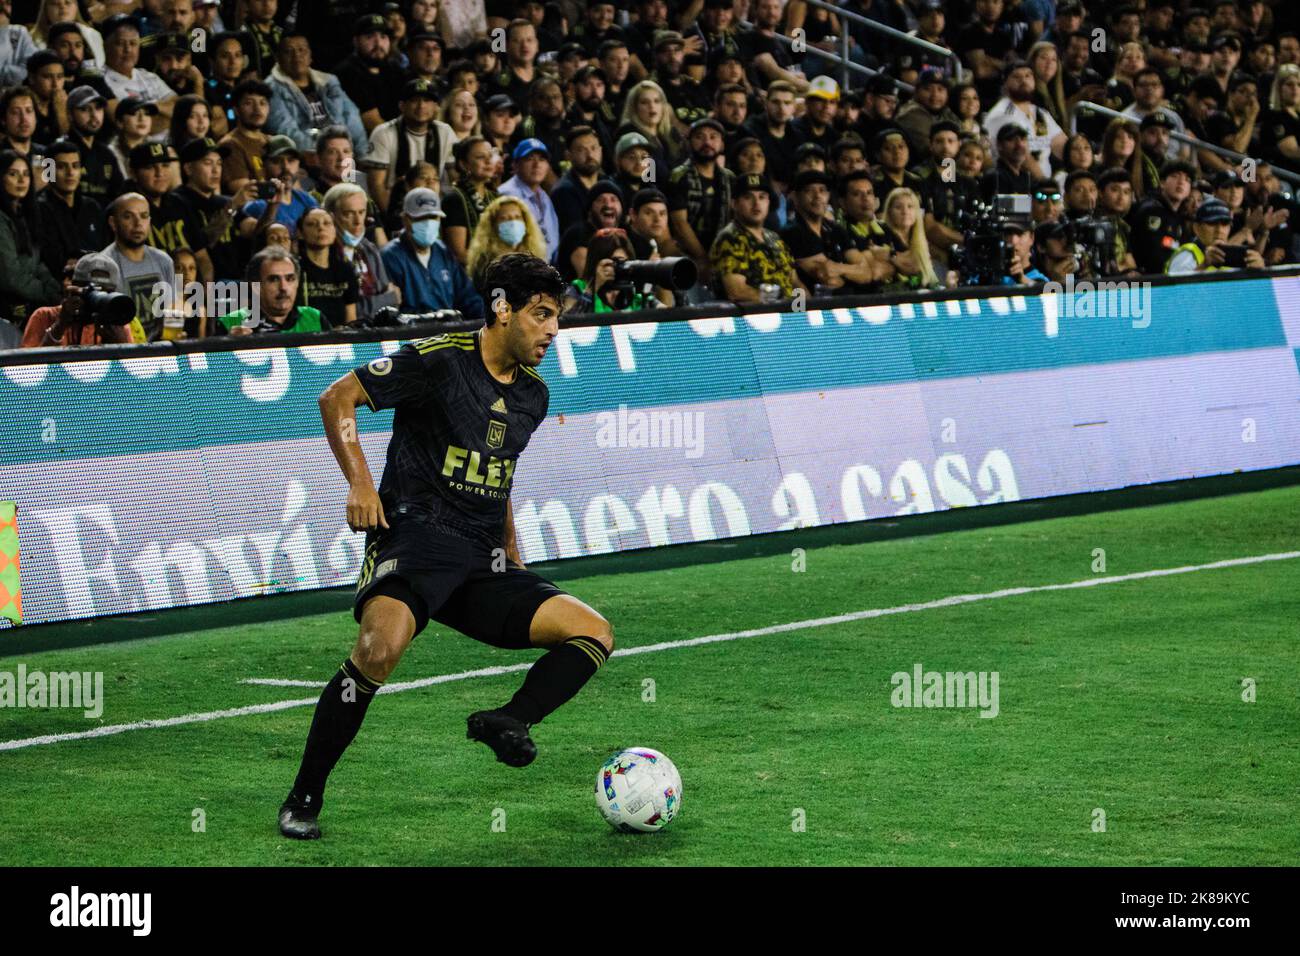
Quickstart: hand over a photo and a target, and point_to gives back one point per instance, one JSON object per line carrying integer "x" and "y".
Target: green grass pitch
{"x": 1125, "y": 698}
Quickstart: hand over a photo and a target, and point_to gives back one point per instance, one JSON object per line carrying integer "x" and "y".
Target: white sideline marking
{"x": 950, "y": 601}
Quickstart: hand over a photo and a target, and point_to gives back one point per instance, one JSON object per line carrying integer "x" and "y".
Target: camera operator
{"x": 1052, "y": 243}
{"x": 1019, "y": 237}
{"x": 76, "y": 321}
{"x": 1210, "y": 250}
{"x": 599, "y": 289}
{"x": 1114, "y": 200}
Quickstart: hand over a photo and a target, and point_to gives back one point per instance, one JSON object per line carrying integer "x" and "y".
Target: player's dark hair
{"x": 519, "y": 279}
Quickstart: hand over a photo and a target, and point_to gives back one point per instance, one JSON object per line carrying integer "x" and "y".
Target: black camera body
{"x": 267, "y": 190}
{"x": 103, "y": 307}
{"x": 677, "y": 273}
{"x": 1234, "y": 257}
{"x": 1093, "y": 238}
{"x": 985, "y": 257}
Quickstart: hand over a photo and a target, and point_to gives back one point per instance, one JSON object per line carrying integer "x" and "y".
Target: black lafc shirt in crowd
{"x": 457, "y": 433}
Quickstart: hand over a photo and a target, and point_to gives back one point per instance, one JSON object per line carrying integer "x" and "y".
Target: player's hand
{"x": 365, "y": 510}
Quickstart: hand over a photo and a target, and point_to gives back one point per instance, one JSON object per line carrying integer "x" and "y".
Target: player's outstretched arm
{"x": 338, "y": 410}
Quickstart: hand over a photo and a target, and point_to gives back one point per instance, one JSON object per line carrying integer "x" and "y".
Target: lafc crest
{"x": 496, "y": 434}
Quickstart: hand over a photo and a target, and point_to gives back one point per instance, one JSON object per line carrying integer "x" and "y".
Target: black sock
{"x": 555, "y": 678}
{"x": 338, "y": 718}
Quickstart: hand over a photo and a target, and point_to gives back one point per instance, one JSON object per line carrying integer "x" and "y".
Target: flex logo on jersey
{"x": 467, "y": 471}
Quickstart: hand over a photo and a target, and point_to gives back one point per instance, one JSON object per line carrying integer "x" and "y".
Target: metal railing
{"x": 1084, "y": 106}
{"x": 843, "y": 59}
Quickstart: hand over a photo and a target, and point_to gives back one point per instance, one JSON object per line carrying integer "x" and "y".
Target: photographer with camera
{"x": 1018, "y": 238}
{"x": 1054, "y": 245}
{"x": 278, "y": 197}
{"x": 94, "y": 310}
{"x": 614, "y": 282}
{"x": 1210, "y": 251}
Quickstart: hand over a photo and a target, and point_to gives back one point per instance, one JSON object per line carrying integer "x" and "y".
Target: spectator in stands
{"x": 125, "y": 78}
{"x": 415, "y": 135}
{"x": 288, "y": 203}
{"x": 1114, "y": 201}
{"x": 571, "y": 193}
{"x": 591, "y": 108}
{"x": 147, "y": 273}
{"x": 1207, "y": 250}
{"x": 545, "y": 119}
{"x": 1149, "y": 96}
{"x": 1280, "y": 126}
{"x": 823, "y": 252}
{"x": 329, "y": 283}
{"x": 229, "y": 64}
{"x": 506, "y": 226}
{"x": 67, "y": 323}
{"x": 304, "y": 100}
{"x": 746, "y": 256}
{"x": 470, "y": 195}
{"x": 647, "y": 226}
{"x": 247, "y": 141}
{"x": 821, "y": 103}
{"x": 18, "y": 110}
{"x": 1080, "y": 194}
{"x": 422, "y": 267}
{"x": 190, "y": 120}
{"x": 647, "y": 112}
{"x": 890, "y": 149}
{"x": 25, "y": 282}
{"x": 45, "y": 79}
{"x": 54, "y": 13}
{"x": 1047, "y": 203}
{"x": 367, "y": 77}
{"x": 775, "y": 134}
{"x": 699, "y": 193}
{"x": 460, "y": 113}
{"x": 905, "y": 233}
{"x": 16, "y": 47}
{"x": 278, "y": 276}
{"x": 1045, "y": 136}
{"x": 1078, "y": 156}
{"x": 347, "y": 202}
{"x": 1011, "y": 173}
{"x": 596, "y": 291}
{"x": 173, "y": 224}
{"x": 67, "y": 222}
{"x": 928, "y": 106}
{"x": 200, "y": 190}
{"x": 175, "y": 64}
{"x": 532, "y": 164}
{"x": 604, "y": 211}
{"x": 1055, "y": 252}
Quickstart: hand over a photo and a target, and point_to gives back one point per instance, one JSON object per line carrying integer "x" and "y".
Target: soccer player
{"x": 440, "y": 537}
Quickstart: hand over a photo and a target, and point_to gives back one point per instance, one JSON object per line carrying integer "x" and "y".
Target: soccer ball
{"x": 638, "y": 789}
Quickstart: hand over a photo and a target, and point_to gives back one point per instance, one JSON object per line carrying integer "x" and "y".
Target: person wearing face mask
{"x": 424, "y": 269}
{"x": 507, "y": 226}
{"x": 347, "y": 203}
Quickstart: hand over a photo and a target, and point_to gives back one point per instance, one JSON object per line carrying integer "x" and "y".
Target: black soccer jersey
{"x": 457, "y": 432}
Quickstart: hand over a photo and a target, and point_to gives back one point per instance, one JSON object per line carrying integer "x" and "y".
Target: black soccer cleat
{"x": 507, "y": 737}
{"x": 298, "y": 822}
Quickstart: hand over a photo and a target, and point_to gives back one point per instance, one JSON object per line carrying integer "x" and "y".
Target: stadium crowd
{"x": 353, "y": 158}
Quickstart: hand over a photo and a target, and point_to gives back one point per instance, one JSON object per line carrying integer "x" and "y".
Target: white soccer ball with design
{"x": 638, "y": 789}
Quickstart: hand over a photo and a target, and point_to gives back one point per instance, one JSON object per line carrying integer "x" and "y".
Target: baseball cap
{"x": 196, "y": 149}
{"x": 173, "y": 43}
{"x": 1010, "y": 131}
{"x": 500, "y": 102}
{"x": 97, "y": 268}
{"x": 1227, "y": 177}
{"x": 84, "y": 96}
{"x": 126, "y": 106}
{"x": 1158, "y": 117}
{"x": 529, "y": 146}
{"x": 602, "y": 187}
{"x": 279, "y": 146}
{"x": 1225, "y": 39}
{"x": 824, "y": 87}
{"x": 644, "y": 197}
{"x": 370, "y": 23}
{"x": 422, "y": 202}
{"x": 1213, "y": 211}
{"x": 752, "y": 183}
{"x": 930, "y": 76}
{"x": 708, "y": 122}
{"x": 629, "y": 141}
{"x": 1051, "y": 229}
{"x": 666, "y": 37}
{"x": 882, "y": 85}
{"x": 419, "y": 88}
{"x": 811, "y": 177}
{"x": 150, "y": 154}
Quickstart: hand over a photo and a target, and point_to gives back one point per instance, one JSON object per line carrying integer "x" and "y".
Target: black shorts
{"x": 451, "y": 580}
